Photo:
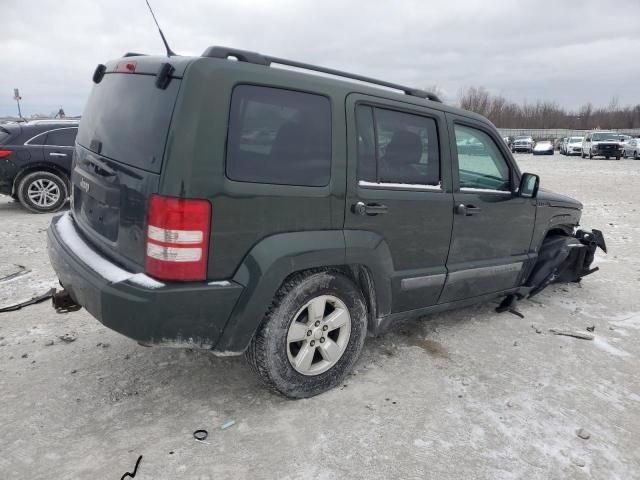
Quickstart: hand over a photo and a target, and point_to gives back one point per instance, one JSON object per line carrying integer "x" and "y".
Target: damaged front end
{"x": 562, "y": 259}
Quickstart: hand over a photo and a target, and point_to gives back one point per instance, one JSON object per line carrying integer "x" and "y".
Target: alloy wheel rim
{"x": 43, "y": 193}
{"x": 318, "y": 336}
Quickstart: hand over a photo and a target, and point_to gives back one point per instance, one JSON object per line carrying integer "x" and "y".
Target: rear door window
{"x": 397, "y": 147}
{"x": 279, "y": 136}
{"x": 63, "y": 137}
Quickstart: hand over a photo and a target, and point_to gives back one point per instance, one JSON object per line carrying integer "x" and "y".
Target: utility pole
{"x": 17, "y": 98}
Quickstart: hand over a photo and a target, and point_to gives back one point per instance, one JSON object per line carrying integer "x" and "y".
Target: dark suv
{"x": 242, "y": 208}
{"x": 35, "y": 162}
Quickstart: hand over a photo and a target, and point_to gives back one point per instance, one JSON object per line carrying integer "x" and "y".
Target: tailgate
{"x": 118, "y": 160}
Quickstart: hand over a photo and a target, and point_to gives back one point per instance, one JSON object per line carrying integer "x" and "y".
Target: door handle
{"x": 467, "y": 210}
{"x": 362, "y": 208}
{"x": 56, "y": 154}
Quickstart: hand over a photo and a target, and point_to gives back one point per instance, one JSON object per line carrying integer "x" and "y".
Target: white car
{"x": 603, "y": 144}
{"x": 573, "y": 146}
{"x": 631, "y": 148}
{"x": 522, "y": 143}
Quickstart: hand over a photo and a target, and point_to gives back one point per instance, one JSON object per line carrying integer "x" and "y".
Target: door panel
{"x": 492, "y": 227}
{"x": 396, "y": 193}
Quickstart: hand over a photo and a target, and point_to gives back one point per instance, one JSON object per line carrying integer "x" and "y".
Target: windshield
{"x": 599, "y": 137}
{"x": 575, "y": 139}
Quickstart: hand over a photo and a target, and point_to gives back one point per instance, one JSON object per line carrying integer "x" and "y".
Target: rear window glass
{"x": 279, "y": 136}
{"x": 127, "y": 118}
{"x": 64, "y": 137}
{"x": 4, "y": 135}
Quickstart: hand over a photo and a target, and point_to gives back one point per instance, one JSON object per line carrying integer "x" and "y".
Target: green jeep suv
{"x": 220, "y": 202}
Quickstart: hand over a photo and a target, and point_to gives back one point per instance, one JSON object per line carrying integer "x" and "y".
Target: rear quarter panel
{"x": 243, "y": 213}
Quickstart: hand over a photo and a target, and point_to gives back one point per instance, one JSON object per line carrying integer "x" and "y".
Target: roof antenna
{"x": 170, "y": 53}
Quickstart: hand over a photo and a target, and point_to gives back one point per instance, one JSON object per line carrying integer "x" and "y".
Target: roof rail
{"x": 259, "y": 59}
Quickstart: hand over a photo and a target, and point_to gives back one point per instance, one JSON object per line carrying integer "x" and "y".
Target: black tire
{"x": 635, "y": 155}
{"x": 268, "y": 351}
{"x": 583, "y": 155}
{"x": 29, "y": 181}
{"x": 606, "y": 157}
{"x": 618, "y": 157}
{"x": 590, "y": 155}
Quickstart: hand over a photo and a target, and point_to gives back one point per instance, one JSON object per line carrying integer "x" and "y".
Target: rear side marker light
{"x": 5, "y": 153}
{"x": 177, "y": 243}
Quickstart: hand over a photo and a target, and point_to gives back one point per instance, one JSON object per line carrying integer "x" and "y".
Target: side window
{"x": 37, "y": 140}
{"x": 62, "y": 138}
{"x": 480, "y": 162}
{"x": 367, "y": 164}
{"x": 279, "y": 136}
{"x": 397, "y": 147}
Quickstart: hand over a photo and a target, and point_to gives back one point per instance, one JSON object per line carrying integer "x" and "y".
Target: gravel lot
{"x": 466, "y": 394}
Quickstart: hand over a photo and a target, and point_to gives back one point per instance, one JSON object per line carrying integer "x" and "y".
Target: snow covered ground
{"x": 466, "y": 394}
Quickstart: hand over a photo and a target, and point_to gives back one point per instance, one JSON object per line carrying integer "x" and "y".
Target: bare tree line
{"x": 508, "y": 114}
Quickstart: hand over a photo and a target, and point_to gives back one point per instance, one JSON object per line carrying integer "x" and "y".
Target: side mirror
{"x": 529, "y": 184}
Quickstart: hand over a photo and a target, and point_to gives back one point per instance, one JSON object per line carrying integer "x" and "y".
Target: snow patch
{"x": 603, "y": 345}
{"x": 94, "y": 261}
{"x": 630, "y": 322}
{"x": 144, "y": 281}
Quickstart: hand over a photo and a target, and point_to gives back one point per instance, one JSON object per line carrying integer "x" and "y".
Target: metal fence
{"x": 551, "y": 133}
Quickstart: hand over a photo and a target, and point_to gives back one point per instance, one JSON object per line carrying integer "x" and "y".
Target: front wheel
{"x": 311, "y": 336}
{"x": 42, "y": 192}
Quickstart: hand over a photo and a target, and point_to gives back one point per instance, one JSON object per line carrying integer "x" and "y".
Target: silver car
{"x": 631, "y": 148}
{"x": 573, "y": 146}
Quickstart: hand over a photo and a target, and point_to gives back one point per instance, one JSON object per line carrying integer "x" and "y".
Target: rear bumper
{"x": 8, "y": 172}
{"x": 174, "y": 314}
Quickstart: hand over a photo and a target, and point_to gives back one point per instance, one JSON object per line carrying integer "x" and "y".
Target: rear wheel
{"x": 635, "y": 155}
{"x": 42, "y": 192}
{"x": 311, "y": 336}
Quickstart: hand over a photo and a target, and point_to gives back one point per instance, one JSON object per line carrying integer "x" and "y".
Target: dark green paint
{"x": 263, "y": 233}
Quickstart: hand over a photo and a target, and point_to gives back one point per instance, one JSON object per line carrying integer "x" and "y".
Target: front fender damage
{"x": 562, "y": 259}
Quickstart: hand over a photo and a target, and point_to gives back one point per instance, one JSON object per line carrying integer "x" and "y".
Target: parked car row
{"x": 597, "y": 143}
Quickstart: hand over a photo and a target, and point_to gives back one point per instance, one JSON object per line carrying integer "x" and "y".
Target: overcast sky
{"x": 571, "y": 52}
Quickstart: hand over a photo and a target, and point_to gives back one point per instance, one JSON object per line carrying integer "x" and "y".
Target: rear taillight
{"x": 5, "y": 153}
{"x": 177, "y": 245}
